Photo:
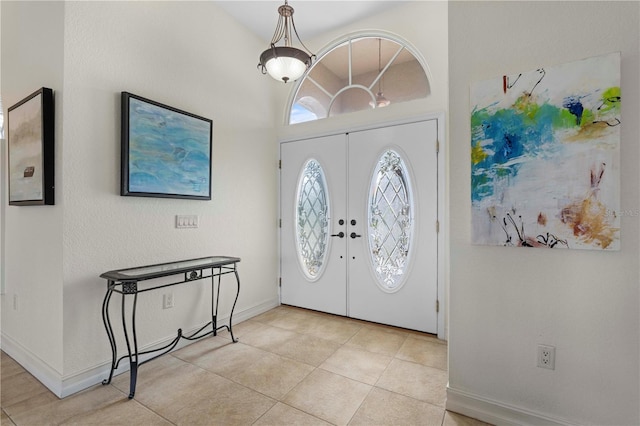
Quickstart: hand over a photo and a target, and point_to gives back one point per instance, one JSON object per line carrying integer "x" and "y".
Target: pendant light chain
{"x": 313, "y": 56}
{"x": 381, "y": 81}
{"x": 380, "y": 101}
{"x": 278, "y": 33}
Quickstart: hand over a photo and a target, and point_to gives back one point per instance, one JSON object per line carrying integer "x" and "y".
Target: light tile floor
{"x": 290, "y": 367}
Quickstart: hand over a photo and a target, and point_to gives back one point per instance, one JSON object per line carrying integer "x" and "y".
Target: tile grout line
{"x": 306, "y": 328}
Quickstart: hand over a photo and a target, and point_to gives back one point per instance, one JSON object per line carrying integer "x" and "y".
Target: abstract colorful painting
{"x": 545, "y": 157}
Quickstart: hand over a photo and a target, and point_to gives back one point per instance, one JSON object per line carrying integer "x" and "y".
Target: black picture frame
{"x": 165, "y": 152}
{"x": 31, "y": 148}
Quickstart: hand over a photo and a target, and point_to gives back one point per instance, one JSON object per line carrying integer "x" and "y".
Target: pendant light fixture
{"x": 380, "y": 101}
{"x": 285, "y": 63}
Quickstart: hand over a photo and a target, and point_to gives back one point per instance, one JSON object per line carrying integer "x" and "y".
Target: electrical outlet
{"x": 547, "y": 357}
{"x": 167, "y": 301}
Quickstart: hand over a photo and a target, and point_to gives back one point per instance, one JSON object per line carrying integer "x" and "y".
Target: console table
{"x": 126, "y": 283}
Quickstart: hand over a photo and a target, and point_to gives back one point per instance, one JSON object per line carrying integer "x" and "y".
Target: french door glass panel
{"x": 390, "y": 220}
{"x": 312, "y": 213}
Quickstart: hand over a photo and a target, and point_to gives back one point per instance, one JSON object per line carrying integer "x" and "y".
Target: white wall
{"x": 506, "y": 301}
{"x": 3, "y": 153}
{"x": 176, "y": 53}
{"x": 33, "y": 234}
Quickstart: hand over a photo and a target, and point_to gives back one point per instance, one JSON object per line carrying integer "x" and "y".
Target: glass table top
{"x": 164, "y": 269}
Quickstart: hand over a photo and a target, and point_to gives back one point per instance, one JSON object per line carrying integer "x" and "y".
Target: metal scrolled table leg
{"x": 107, "y": 325}
{"x": 235, "y": 271}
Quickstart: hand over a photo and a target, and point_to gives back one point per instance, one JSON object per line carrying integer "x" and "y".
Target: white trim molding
{"x": 495, "y": 412}
{"x": 33, "y": 364}
{"x": 348, "y": 38}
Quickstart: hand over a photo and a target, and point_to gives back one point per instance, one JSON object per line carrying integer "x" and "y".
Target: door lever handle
{"x": 354, "y": 235}
{"x": 339, "y": 235}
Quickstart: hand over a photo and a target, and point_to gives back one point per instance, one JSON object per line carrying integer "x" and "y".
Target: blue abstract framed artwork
{"x": 166, "y": 152}
{"x": 545, "y": 157}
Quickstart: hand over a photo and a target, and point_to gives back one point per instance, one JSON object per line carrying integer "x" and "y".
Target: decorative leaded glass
{"x": 312, "y": 225}
{"x": 390, "y": 221}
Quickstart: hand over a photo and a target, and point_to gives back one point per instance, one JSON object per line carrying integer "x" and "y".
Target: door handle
{"x": 354, "y": 235}
{"x": 339, "y": 235}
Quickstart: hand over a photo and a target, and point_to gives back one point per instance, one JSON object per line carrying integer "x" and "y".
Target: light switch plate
{"x": 187, "y": 221}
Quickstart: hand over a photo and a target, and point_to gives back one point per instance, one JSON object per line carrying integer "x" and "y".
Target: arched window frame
{"x": 348, "y": 38}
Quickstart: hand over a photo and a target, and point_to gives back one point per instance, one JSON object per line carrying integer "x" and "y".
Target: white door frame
{"x": 443, "y": 225}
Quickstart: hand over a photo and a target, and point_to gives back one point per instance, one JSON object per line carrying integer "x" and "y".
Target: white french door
{"x": 313, "y": 201}
{"x": 392, "y": 275}
{"x": 372, "y": 197}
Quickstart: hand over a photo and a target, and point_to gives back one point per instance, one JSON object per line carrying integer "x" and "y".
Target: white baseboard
{"x": 257, "y": 310}
{"x": 65, "y": 386}
{"x": 497, "y": 413}
{"x": 33, "y": 364}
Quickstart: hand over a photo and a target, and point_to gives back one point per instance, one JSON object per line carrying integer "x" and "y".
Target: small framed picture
{"x": 166, "y": 152}
{"x": 32, "y": 150}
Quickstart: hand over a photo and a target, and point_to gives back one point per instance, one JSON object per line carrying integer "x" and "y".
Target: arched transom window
{"x": 361, "y": 72}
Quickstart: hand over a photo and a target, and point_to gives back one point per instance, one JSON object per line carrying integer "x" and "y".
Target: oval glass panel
{"x": 390, "y": 220}
{"x": 312, "y": 224}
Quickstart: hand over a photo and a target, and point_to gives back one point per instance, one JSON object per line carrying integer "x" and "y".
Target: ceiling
{"x": 312, "y": 17}
{"x": 368, "y": 56}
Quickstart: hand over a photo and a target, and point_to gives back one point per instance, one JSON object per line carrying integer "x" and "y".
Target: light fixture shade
{"x": 380, "y": 102}
{"x": 285, "y": 63}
